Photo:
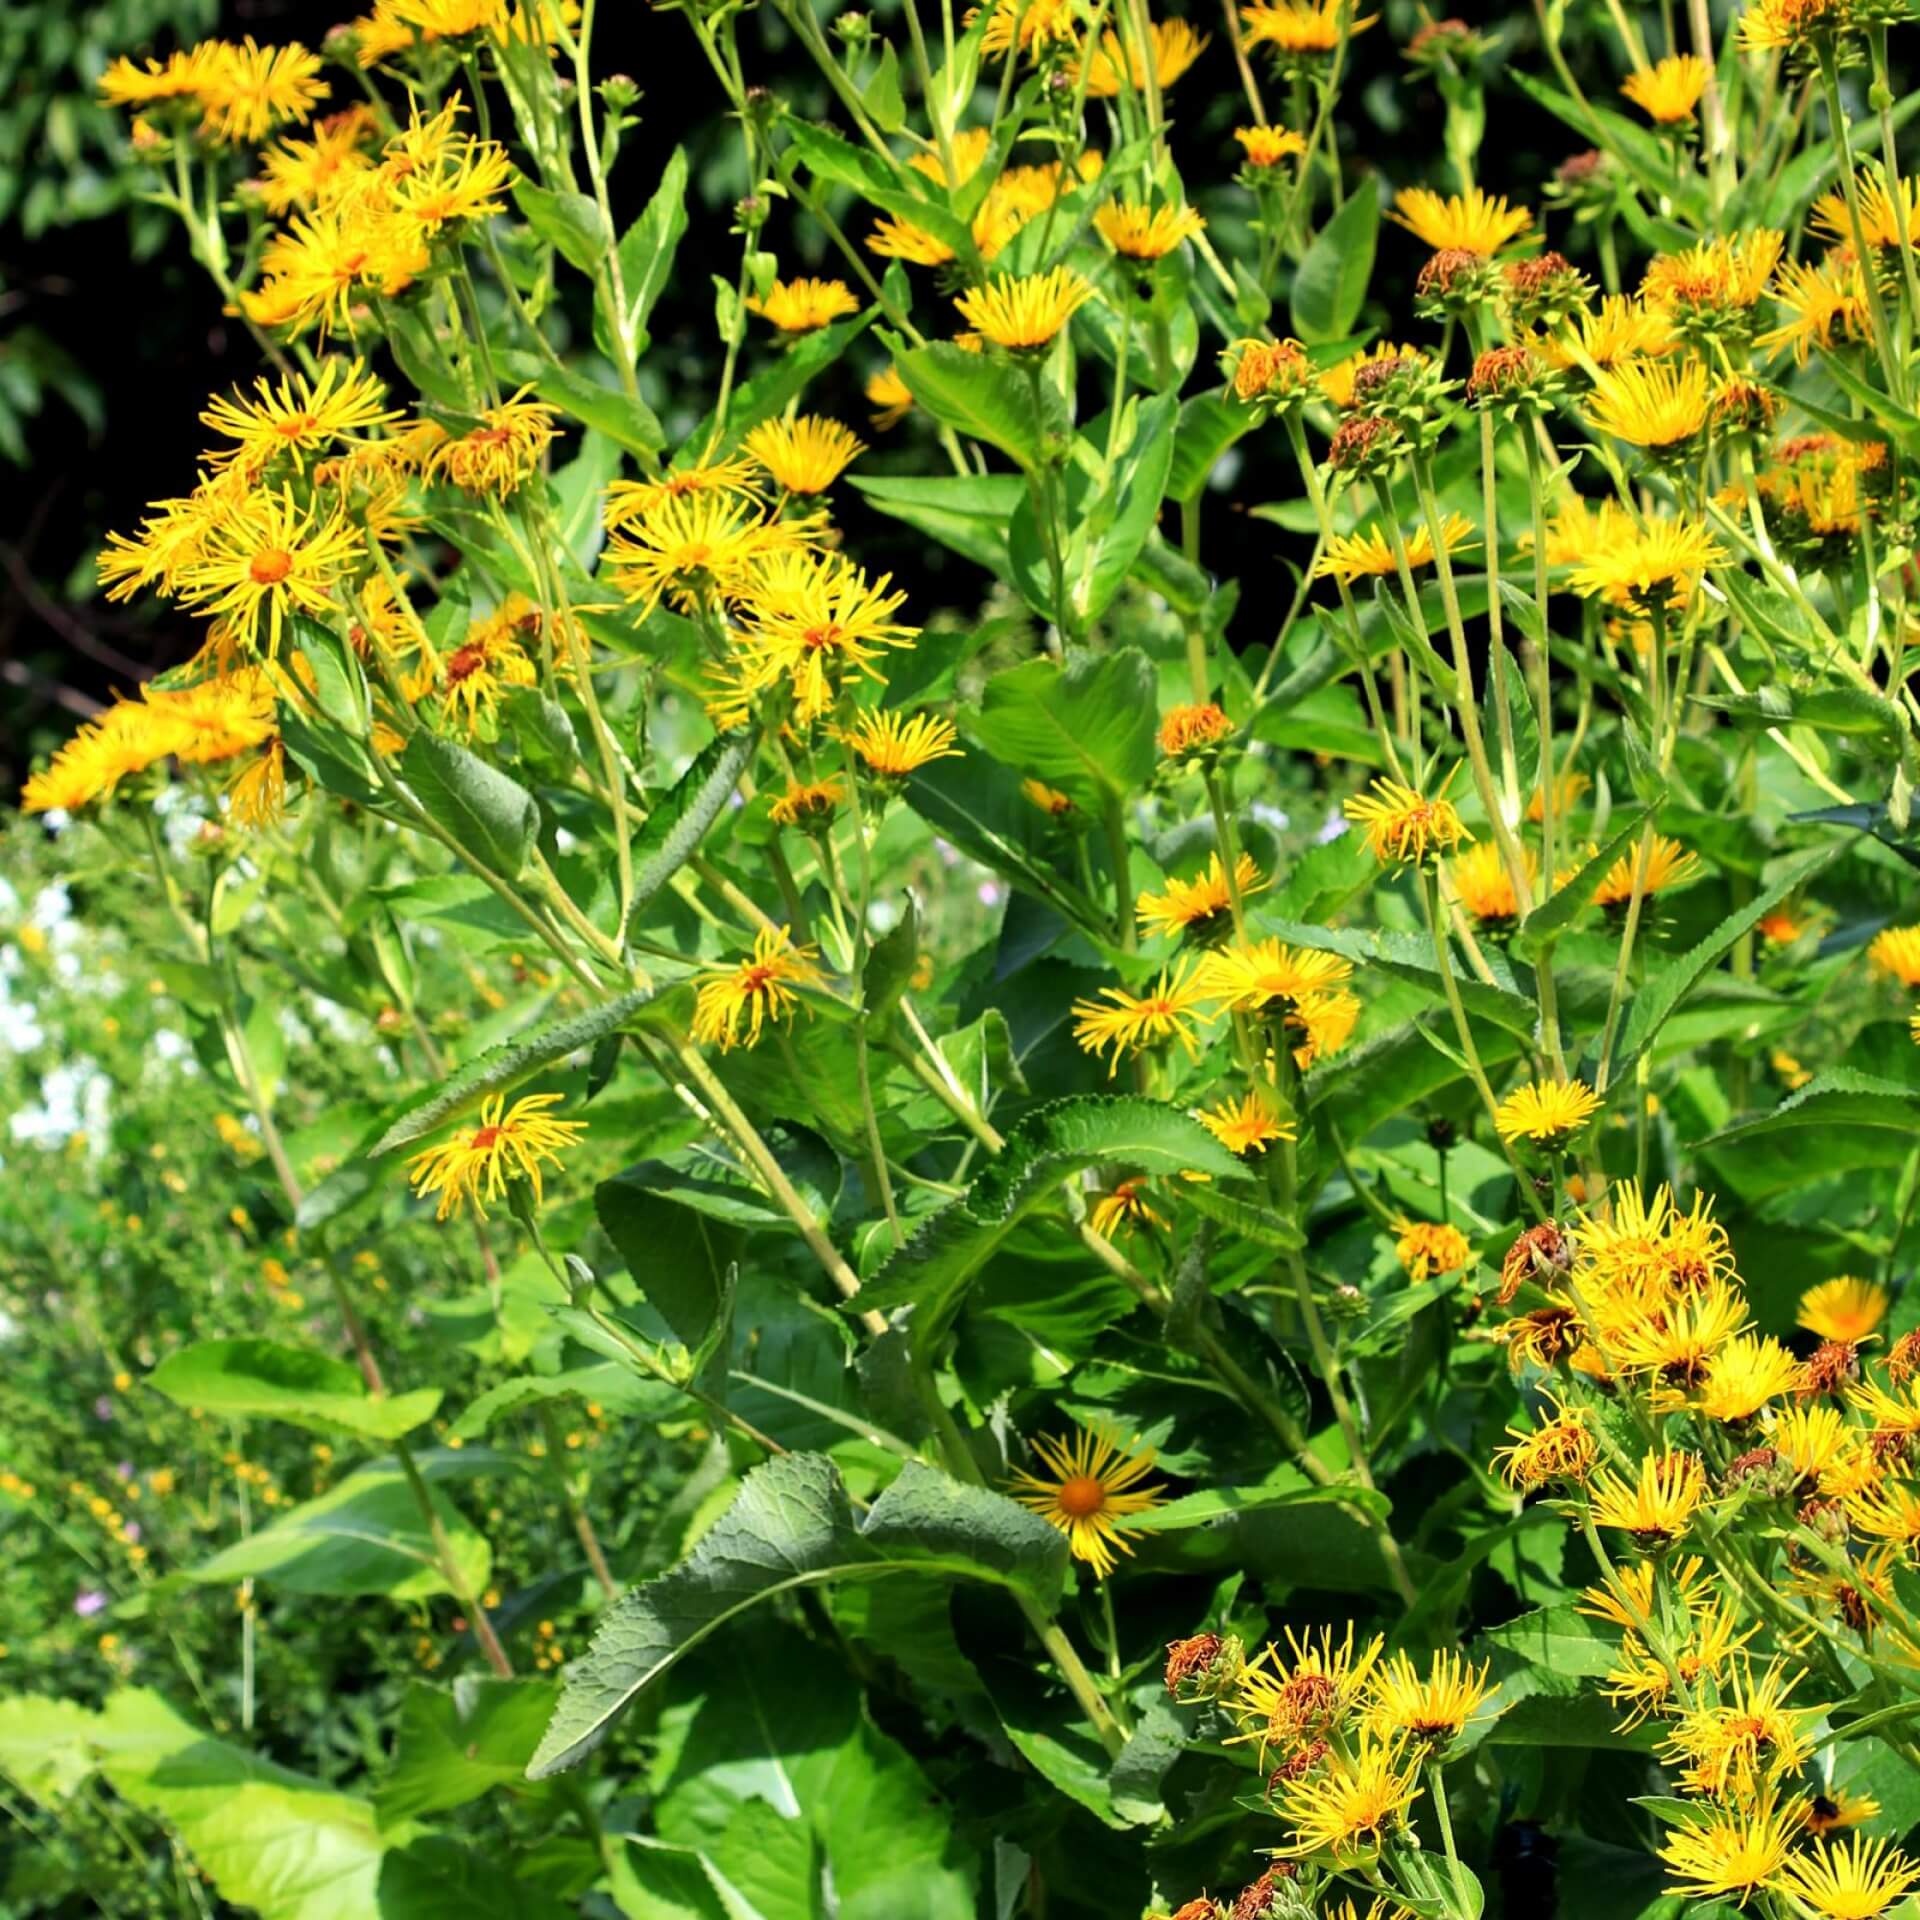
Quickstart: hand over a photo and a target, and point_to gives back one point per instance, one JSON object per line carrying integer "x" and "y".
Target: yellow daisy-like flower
{"x": 1337, "y": 381}
{"x": 1676, "y": 1344}
{"x": 1324, "y": 1022}
{"x": 694, "y": 544}
{"x": 1561, "y": 1450}
{"x": 1201, "y": 905}
{"x": 298, "y": 416}
{"x": 630, "y": 500}
{"x": 1658, "y": 404}
{"x": 1657, "y": 1508}
{"x": 1728, "y": 273}
{"x": 1123, "y": 1209}
{"x": 1826, "y": 304}
{"x": 804, "y": 455}
{"x": 300, "y": 173}
{"x": 1246, "y": 1126}
{"x": 805, "y": 305}
{"x": 1129, "y": 1022}
{"x": 509, "y": 1143}
{"x": 1856, "y": 1879}
{"x": 1091, "y": 1482}
{"x": 1792, "y": 26}
{"x": 1896, "y": 951}
{"x": 1403, "y": 826}
{"x": 808, "y": 804}
{"x": 1484, "y": 886}
{"x": 502, "y": 453}
{"x": 894, "y": 746}
{"x": 1426, "y": 1248}
{"x": 1350, "y": 1807}
{"x": 1843, "y": 1308}
{"x": 1657, "y": 561}
{"x": 1354, "y": 556}
{"x": 890, "y": 397}
{"x": 1024, "y": 312}
{"x": 1621, "y": 327}
{"x": 1175, "y": 48}
{"x": 1668, "y": 91}
{"x": 442, "y": 179}
{"x": 1268, "y": 146}
{"x": 1743, "y": 1375}
{"x": 1473, "y": 222}
{"x": 1890, "y": 1512}
{"x": 248, "y": 89}
{"x": 1140, "y": 232}
{"x": 487, "y": 664}
{"x": 753, "y": 991}
{"x": 270, "y": 560}
{"x": 1546, "y": 1111}
{"x": 1426, "y": 1709}
{"x": 1281, "y": 1702}
{"x": 1880, "y": 219}
{"x": 1295, "y": 27}
{"x": 1033, "y": 25}
{"x": 1253, "y": 975}
{"x": 176, "y": 79}
{"x": 1193, "y": 729}
{"x": 1733, "y": 1853}
{"x": 1839, "y": 1808}
{"x": 1665, "y": 865}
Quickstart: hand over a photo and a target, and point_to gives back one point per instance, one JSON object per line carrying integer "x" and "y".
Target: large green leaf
{"x": 454, "y": 1744}
{"x": 984, "y": 399}
{"x": 681, "y": 817}
{"x": 606, "y": 1383}
{"x": 570, "y": 223}
{"x": 968, "y": 512}
{"x": 479, "y": 808}
{"x": 1558, "y": 911}
{"x": 234, "y": 1378}
{"x": 44, "y": 1745}
{"x": 1209, "y": 424}
{"x": 1331, "y": 285}
{"x": 646, "y": 254}
{"x": 1841, "y": 1120}
{"x": 791, "y": 1527}
{"x": 1086, "y": 727}
{"x": 678, "y": 1255}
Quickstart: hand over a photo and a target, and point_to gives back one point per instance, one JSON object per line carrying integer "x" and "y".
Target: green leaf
{"x": 480, "y": 809}
{"x": 1829, "y": 709}
{"x": 932, "y": 1271}
{"x": 768, "y": 394}
{"x": 1841, "y": 1120}
{"x": 434, "y": 1876}
{"x": 647, "y": 249}
{"x": 1331, "y": 285}
{"x": 453, "y": 1745}
{"x": 791, "y": 1527}
{"x": 235, "y": 1378}
{"x": 678, "y": 1255}
{"x": 627, "y": 420}
{"x": 890, "y": 964}
{"x": 881, "y": 97}
{"x": 45, "y": 1745}
{"x": 1134, "y": 505}
{"x": 607, "y": 1383}
{"x": 680, "y": 819}
{"x": 968, "y": 512}
{"x": 1209, "y": 424}
{"x": 1558, "y": 911}
{"x": 1216, "y": 1504}
{"x": 570, "y": 223}
{"x": 984, "y": 399}
{"x": 1086, "y": 727}
{"x": 891, "y": 190}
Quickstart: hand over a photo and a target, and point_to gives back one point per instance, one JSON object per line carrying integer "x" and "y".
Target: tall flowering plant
{"x": 1287, "y": 1222}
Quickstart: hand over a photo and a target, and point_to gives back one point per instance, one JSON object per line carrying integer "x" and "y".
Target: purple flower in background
{"x": 989, "y": 891}
{"x": 103, "y": 1407}
{"x": 124, "y": 1469}
{"x": 131, "y": 1531}
{"x": 89, "y": 1601}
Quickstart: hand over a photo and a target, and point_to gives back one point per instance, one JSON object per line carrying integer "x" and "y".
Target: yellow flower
{"x": 1548, "y": 1111}
{"x": 1430, "y": 1709}
{"x": 1123, "y": 1209}
{"x": 1880, "y": 220}
{"x": 1483, "y": 884}
{"x": 1145, "y": 233}
{"x": 1826, "y": 304}
{"x": 698, "y": 543}
{"x": 267, "y": 561}
{"x": 1132, "y": 1022}
{"x": 1795, "y": 26}
{"x": 1024, "y": 312}
{"x": 806, "y": 455}
{"x": 1311, "y": 1693}
{"x": 1268, "y": 146}
{"x": 1842, "y": 1308}
{"x": 1852, "y": 1880}
{"x": 1562, "y": 1449}
{"x": 630, "y": 500}
{"x": 1658, "y": 1507}
{"x": 488, "y": 663}
{"x": 1667, "y": 864}
{"x": 1091, "y": 1482}
{"x": 1175, "y": 48}
{"x": 1037, "y": 24}
{"x": 509, "y": 1143}
{"x": 969, "y": 149}
{"x": 1732, "y": 1853}
{"x": 1742, "y": 1375}
{"x": 893, "y": 747}
{"x": 501, "y": 454}
{"x": 1676, "y": 1344}
{"x": 1253, "y": 975}
{"x": 179, "y": 78}
{"x": 300, "y": 173}
{"x": 753, "y": 991}
{"x": 1426, "y": 1248}
{"x": 1403, "y": 827}
{"x": 1622, "y": 327}
{"x": 1047, "y": 799}
{"x": 1668, "y": 91}
{"x": 814, "y": 619}
{"x": 1655, "y": 562}
{"x": 298, "y": 416}
{"x": 807, "y": 804}
{"x": 1352, "y": 556}
{"x": 316, "y": 268}
{"x": 1337, "y": 382}
{"x": 1245, "y": 1126}
{"x": 1201, "y": 905}
{"x": 1354, "y": 1803}
{"x": 1192, "y": 729}
{"x": 1474, "y": 222}
{"x": 257, "y": 794}
{"x": 890, "y": 398}
{"x": 1896, "y": 950}
{"x": 1325, "y": 1023}
{"x": 1651, "y": 403}
{"x": 1728, "y": 273}
{"x": 802, "y": 306}
{"x": 248, "y": 90}
{"x": 1297, "y": 26}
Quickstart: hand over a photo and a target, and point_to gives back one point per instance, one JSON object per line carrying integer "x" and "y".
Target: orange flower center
{"x": 819, "y": 639}
{"x": 755, "y": 979}
{"x": 1081, "y": 1496}
{"x": 296, "y": 426}
{"x": 464, "y": 664}
{"x": 270, "y": 567}
{"x": 485, "y": 1138}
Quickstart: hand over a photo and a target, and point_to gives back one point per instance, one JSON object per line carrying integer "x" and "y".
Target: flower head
{"x": 1251, "y": 976}
{"x": 501, "y": 454}
{"x": 1561, "y": 1449}
{"x": 1652, "y": 564}
{"x": 1128, "y": 1022}
{"x": 1353, "y": 556}
{"x": 1350, "y": 1806}
{"x": 1202, "y": 906}
{"x": 753, "y": 991}
{"x": 1732, "y": 1853}
{"x": 1176, "y": 46}
{"x": 1425, "y": 1248}
{"x": 1665, "y": 864}
{"x": 1268, "y": 146}
{"x": 266, "y": 560}
{"x": 1546, "y": 1111}
{"x": 1246, "y": 1126}
{"x": 1426, "y": 1709}
{"x": 1856, "y": 1879}
{"x": 893, "y": 745}
{"x": 1193, "y": 729}
{"x": 1025, "y": 312}
{"x": 1485, "y": 887}
{"x": 1090, "y": 1483}
{"x": 1657, "y": 404}
{"x": 1843, "y": 1308}
{"x": 1123, "y": 1209}
{"x": 1309, "y": 1693}
{"x": 805, "y": 305}
{"x": 1658, "y": 1507}
{"x": 509, "y": 1143}
{"x": 1145, "y": 233}
{"x": 1403, "y": 827}
{"x": 297, "y": 417}
{"x": 1473, "y": 222}
{"x": 1668, "y": 91}
{"x": 1293, "y": 28}
{"x": 805, "y": 455}
{"x": 1896, "y": 951}
{"x": 890, "y": 397}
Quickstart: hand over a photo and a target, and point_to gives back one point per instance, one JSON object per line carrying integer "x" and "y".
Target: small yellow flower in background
{"x": 1246, "y": 1126}
{"x": 1657, "y": 404}
{"x": 1355, "y": 1803}
{"x": 1027, "y": 311}
{"x": 1129, "y": 1022}
{"x": 1091, "y": 1482}
{"x": 804, "y": 455}
{"x": 1298, "y": 26}
{"x": 890, "y": 397}
{"x": 802, "y": 306}
{"x": 1430, "y": 1709}
{"x": 1669, "y": 90}
{"x": 1658, "y": 1507}
{"x": 1880, "y": 220}
{"x": 1353, "y": 556}
{"x": 808, "y": 804}
{"x": 1563, "y": 1449}
{"x": 509, "y": 1143}
{"x": 501, "y": 454}
{"x": 1426, "y": 1248}
{"x": 1483, "y": 885}
{"x": 1474, "y": 222}
{"x": 1036, "y": 24}
{"x": 754, "y": 991}
{"x": 1268, "y": 146}
{"x": 1123, "y": 1209}
{"x": 1733, "y": 1853}
{"x": 1146, "y": 233}
{"x": 1199, "y": 906}
{"x": 1842, "y": 1308}
{"x": 893, "y": 747}
{"x": 257, "y": 794}
{"x": 1896, "y": 951}
{"x": 248, "y": 90}
{"x": 1667, "y": 864}
{"x": 1854, "y": 1879}
{"x": 1546, "y": 1111}
{"x": 1047, "y": 799}
{"x": 1175, "y": 48}
{"x": 1656, "y": 561}
{"x": 1402, "y": 826}
{"x": 1193, "y": 729}
{"x": 1793, "y": 26}
{"x": 1825, "y": 303}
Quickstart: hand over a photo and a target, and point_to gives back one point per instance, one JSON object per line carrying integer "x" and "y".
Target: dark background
{"x": 144, "y": 322}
